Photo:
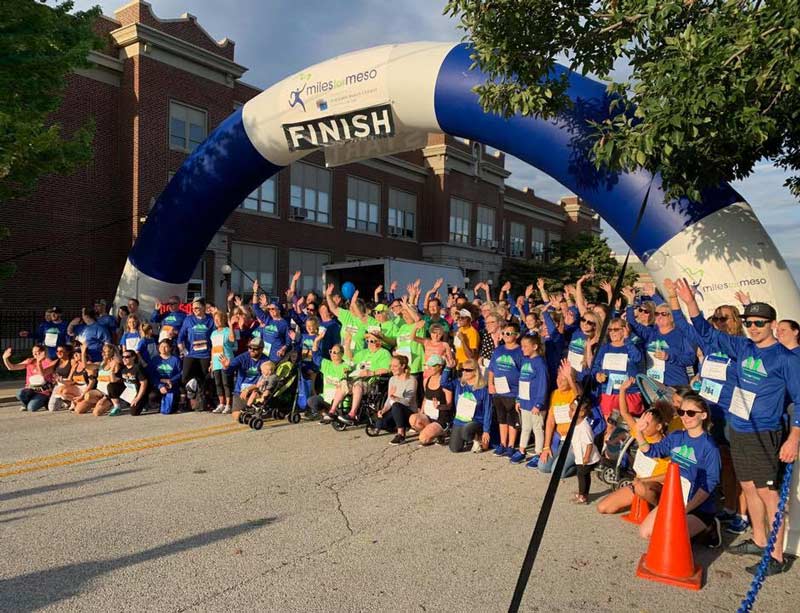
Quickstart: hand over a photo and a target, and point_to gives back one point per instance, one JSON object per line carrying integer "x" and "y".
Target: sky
{"x": 277, "y": 38}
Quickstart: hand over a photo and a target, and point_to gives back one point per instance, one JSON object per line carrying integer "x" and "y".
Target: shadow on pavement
{"x": 32, "y": 491}
{"x": 36, "y": 590}
{"x": 76, "y": 499}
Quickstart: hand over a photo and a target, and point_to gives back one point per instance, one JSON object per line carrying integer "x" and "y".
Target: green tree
{"x": 569, "y": 259}
{"x": 713, "y": 84}
{"x": 39, "y": 46}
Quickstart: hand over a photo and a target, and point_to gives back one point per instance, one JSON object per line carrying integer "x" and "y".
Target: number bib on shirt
{"x": 429, "y": 408}
{"x": 742, "y": 403}
{"x": 524, "y": 390}
{"x": 501, "y": 385}
{"x": 710, "y": 390}
{"x": 561, "y": 413}
{"x": 712, "y": 369}
{"x": 131, "y": 343}
{"x": 51, "y": 339}
{"x": 575, "y": 360}
{"x": 644, "y": 466}
{"x": 615, "y": 361}
{"x": 129, "y": 395}
{"x": 656, "y": 369}
{"x": 615, "y": 380}
{"x": 465, "y": 409}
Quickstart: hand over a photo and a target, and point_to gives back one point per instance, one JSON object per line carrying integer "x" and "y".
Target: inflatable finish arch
{"x": 382, "y": 100}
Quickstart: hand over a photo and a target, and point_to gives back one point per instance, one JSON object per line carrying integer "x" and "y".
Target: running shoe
{"x": 326, "y": 419}
{"x": 227, "y": 410}
{"x": 746, "y": 548}
{"x": 500, "y": 451}
{"x": 533, "y": 462}
{"x": 518, "y": 457}
{"x": 510, "y": 451}
{"x": 398, "y": 439}
{"x": 347, "y": 419}
{"x": 774, "y": 567}
{"x": 440, "y": 441}
{"x": 715, "y": 534}
{"x": 740, "y": 525}
{"x": 114, "y": 412}
{"x": 725, "y": 516}
{"x": 476, "y": 447}
{"x": 220, "y": 408}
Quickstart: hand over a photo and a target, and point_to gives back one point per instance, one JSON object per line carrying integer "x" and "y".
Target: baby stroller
{"x": 371, "y": 403}
{"x": 616, "y": 462}
{"x": 282, "y": 402}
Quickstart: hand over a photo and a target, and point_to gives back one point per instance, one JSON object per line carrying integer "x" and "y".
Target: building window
{"x": 251, "y": 262}
{"x": 310, "y": 264}
{"x": 187, "y": 127}
{"x": 402, "y": 213}
{"x": 537, "y": 244}
{"x": 484, "y": 231}
{"x": 262, "y": 199}
{"x": 460, "y": 220}
{"x": 310, "y": 193}
{"x": 363, "y": 205}
{"x": 516, "y": 233}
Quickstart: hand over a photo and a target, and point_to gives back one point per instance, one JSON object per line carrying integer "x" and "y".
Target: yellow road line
{"x": 67, "y": 454}
{"x": 109, "y": 454}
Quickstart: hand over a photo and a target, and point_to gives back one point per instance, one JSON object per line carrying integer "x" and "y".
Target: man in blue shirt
{"x": 247, "y": 367}
{"x": 766, "y": 372}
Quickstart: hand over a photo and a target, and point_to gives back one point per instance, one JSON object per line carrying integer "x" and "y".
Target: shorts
{"x": 703, "y": 516}
{"x": 755, "y": 457}
{"x": 446, "y": 417}
{"x": 610, "y": 402}
{"x": 505, "y": 410}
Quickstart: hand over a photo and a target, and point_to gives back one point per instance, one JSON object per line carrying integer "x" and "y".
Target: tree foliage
{"x": 568, "y": 260}
{"x": 712, "y": 86}
{"x": 40, "y": 45}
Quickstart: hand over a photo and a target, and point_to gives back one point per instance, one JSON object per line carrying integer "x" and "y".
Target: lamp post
{"x": 226, "y": 277}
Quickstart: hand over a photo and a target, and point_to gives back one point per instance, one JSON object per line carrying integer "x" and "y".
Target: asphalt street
{"x": 196, "y": 513}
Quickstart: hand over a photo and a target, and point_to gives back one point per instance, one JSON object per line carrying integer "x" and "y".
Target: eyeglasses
{"x": 174, "y": 303}
{"x": 588, "y": 322}
{"x": 720, "y": 318}
{"x": 687, "y": 413}
{"x": 337, "y": 352}
{"x": 758, "y": 323}
{"x": 509, "y": 333}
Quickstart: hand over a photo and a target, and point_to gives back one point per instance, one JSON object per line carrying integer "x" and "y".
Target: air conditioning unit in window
{"x": 395, "y": 232}
{"x": 493, "y": 245}
{"x": 409, "y": 233}
{"x": 298, "y": 213}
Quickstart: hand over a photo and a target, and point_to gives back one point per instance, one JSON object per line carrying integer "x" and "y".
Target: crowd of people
{"x": 503, "y": 375}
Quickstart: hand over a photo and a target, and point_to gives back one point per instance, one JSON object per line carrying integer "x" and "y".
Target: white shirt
{"x": 582, "y": 437}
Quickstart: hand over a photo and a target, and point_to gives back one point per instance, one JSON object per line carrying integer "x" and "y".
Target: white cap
{"x": 465, "y": 313}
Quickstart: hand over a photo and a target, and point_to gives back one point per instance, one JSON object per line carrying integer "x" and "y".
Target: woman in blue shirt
{"x": 194, "y": 339}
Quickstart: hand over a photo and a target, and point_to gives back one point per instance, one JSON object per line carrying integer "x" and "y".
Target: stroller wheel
{"x": 338, "y": 426}
{"x": 608, "y": 476}
{"x": 294, "y": 418}
{"x": 372, "y": 429}
{"x": 246, "y": 418}
{"x": 624, "y": 482}
{"x": 257, "y": 423}
{"x": 241, "y": 417}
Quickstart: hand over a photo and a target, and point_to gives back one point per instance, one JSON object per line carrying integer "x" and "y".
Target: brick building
{"x": 156, "y": 90}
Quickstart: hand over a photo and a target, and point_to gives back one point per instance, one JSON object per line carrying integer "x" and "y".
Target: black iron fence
{"x": 11, "y": 324}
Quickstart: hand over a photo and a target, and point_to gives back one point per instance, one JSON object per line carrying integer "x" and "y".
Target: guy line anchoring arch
{"x": 386, "y": 100}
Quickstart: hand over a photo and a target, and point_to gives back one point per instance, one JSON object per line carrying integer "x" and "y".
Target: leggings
{"x": 460, "y": 435}
{"x": 317, "y": 404}
{"x": 396, "y": 418}
{"x": 585, "y": 478}
{"x": 532, "y": 424}
{"x": 223, "y": 382}
{"x": 196, "y": 368}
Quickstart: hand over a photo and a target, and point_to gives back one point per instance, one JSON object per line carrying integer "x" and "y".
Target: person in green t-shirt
{"x": 355, "y": 320}
{"x": 388, "y": 326}
{"x": 334, "y": 373}
{"x": 367, "y": 363}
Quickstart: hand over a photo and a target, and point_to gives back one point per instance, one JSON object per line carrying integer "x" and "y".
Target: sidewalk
{"x": 8, "y": 389}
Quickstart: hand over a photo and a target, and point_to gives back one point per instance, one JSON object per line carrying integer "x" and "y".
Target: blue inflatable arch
{"x": 384, "y": 100}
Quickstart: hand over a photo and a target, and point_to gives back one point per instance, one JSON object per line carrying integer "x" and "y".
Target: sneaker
{"x": 500, "y": 451}
{"x": 349, "y": 420}
{"x": 219, "y": 409}
{"x": 715, "y": 534}
{"x": 114, "y": 412}
{"x": 227, "y": 410}
{"x": 740, "y": 525}
{"x": 725, "y": 516}
{"x": 533, "y": 462}
{"x": 746, "y": 548}
{"x": 398, "y": 439}
{"x": 518, "y": 457}
{"x": 774, "y": 567}
{"x": 476, "y": 447}
{"x": 23, "y": 408}
{"x": 510, "y": 451}
{"x": 440, "y": 441}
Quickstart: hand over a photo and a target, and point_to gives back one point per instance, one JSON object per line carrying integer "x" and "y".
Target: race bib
{"x": 131, "y": 343}
{"x": 714, "y": 370}
{"x": 501, "y": 385}
{"x": 199, "y": 346}
{"x": 217, "y": 340}
{"x": 457, "y": 342}
{"x": 429, "y": 408}
{"x": 657, "y": 368}
{"x": 615, "y": 380}
{"x": 615, "y": 361}
{"x": 524, "y": 390}
{"x": 561, "y": 413}
{"x": 575, "y": 360}
{"x": 710, "y": 390}
{"x": 465, "y": 409}
{"x": 686, "y": 487}
{"x": 129, "y": 395}
{"x": 51, "y": 339}
{"x": 742, "y": 403}
{"x": 36, "y": 381}
{"x": 643, "y": 466}
{"x": 267, "y": 348}
{"x": 102, "y": 387}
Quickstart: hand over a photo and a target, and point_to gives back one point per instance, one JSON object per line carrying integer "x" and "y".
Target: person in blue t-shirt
{"x": 165, "y": 378}
{"x": 92, "y": 337}
{"x": 531, "y": 402}
{"x": 788, "y": 333}
{"x": 503, "y": 379}
{"x": 51, "y": 333}
{"x": 171, "y": 320}
{"x": 104, "y": 318}
{"x": 194, "y": 340}
{"x": 697, "y": 456}
{"x": 766, "y": 373}
{"x": 247, "y": 368}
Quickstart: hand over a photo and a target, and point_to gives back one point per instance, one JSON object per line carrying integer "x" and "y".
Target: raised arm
{"x": 580, "y": 301}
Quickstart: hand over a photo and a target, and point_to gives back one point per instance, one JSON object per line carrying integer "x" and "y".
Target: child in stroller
{"x": 264, "y": 387}
{"x": 275, "y": 394}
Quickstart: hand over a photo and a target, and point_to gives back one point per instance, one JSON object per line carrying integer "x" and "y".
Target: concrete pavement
{"x": 193, "y": 513}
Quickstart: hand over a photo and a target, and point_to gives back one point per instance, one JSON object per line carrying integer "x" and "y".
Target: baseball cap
{"x": 435, "y": 360}
{"x": 54, "y": 309}
{"x": 465, "y": 313}
{"x": 760, "y": 309}
{"x": 381, "y": 308}
{"x": 256, "y": 341}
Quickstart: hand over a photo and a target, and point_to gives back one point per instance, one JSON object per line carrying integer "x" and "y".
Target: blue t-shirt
{"x": 697, "y": 458}
{"x": 764, "y": 378}
{"x": 165, "y": 368}
{"x": 675, "y": 343}
{"x": 532, "y": 383}
{"x": 94, "y": 336}
{"x": 147, "y": 349}
{"x": 506, "y": 363}
{"x": 195, "y": 336}
{"x": 247, "y": 371}
{"x": 51, "y": 335}
{"x": 618, "y": 364}
{"x": 275, "y": 334}
{"x": 109, "y": 323}
{"x": 481, "y": 398}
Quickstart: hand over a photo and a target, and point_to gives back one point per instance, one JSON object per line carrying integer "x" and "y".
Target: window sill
{"x": 365, "y": 232}
{"x": 258, "y": 213}
{"x": 311, "y": 223}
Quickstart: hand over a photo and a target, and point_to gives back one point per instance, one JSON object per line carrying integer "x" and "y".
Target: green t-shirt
{"x": 332, "y": 374}
{"x": 371, "y": 360}
{"x": 415, "y": 352}
{"x": 356, "y": 328}
{"x": 442, "y": 322}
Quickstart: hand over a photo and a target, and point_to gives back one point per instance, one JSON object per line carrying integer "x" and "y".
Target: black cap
{"x": 760, "y": 309}
{"x": 54, "y": 310}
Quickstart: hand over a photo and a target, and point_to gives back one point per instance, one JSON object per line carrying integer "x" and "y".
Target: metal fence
{"x": 11, "y": 324}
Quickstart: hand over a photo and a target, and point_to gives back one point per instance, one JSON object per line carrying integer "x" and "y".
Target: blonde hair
{"x": 481, "y": 381}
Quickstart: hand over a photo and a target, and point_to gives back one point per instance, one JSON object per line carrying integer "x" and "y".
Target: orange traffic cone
{"x": 639, "y": 510}
{"x": 669, "y": 556}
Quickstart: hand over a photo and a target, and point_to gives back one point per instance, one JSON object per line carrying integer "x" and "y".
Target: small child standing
{"x": 265, "y": 385}
{"x": 586, "y": 454}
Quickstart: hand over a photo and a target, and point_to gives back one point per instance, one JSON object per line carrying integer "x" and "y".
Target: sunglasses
{"x": 253, "y": 348}
{"x": 662, "y": 314}
{"x": 720, "y": 318}
{"x": 758, "y": 323}
{"x": 467, "y": 370}
{"x": 687, "y": 413}
{"x": 615, "y": 329}
{"x": 373, "y": 342}
{"x": 127, "y": 357}
{"x": 641, "y": 310}
{"x": 509, "y": 333}
{"x": 174, "y": 303}
{"x": 336, "y": 352}
{"x": 588, "y": 322}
